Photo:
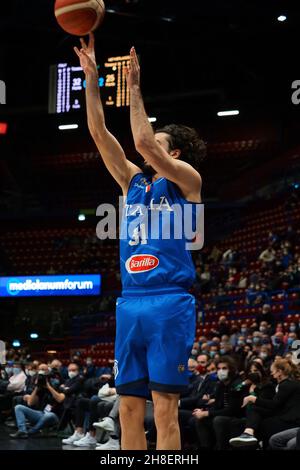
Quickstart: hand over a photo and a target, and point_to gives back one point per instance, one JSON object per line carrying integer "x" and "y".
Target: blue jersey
{"x": 153, "y": 236}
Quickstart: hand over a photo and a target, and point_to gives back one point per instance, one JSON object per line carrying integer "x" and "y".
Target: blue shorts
{"x": 155, "y": 335}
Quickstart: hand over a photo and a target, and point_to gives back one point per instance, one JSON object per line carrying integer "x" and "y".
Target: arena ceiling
{"x": 213, "y": 54}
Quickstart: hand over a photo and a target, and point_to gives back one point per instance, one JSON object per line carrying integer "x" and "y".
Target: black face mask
{"x": 254, "y": 377}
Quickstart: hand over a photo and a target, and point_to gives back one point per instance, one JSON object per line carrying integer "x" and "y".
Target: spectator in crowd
{"x": 214, "y": 255}
{"x": 111, "y": 425}
{"x": 256, "y": 383}
{"x": 285, "y": 440}
{"x": 267, "y": 417}
{"x": 89, "y": 369}
{"x": 223, "y": 327}
{"x": 12, "y": 387}
{"x": 268, "y": 255}
{"x": 229, "y": 256}
{"x": 266, "y": 315}
{"x": 227, "y": 402}
{"x": 49, "y": 399}
{"x": 46, "y": 400}
{"x": 70, "y": 390}
{"x": 105, "y": 398}
{"x": 279, "y": 347}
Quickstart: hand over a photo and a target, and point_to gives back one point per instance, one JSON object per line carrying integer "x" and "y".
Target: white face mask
{"x": 42, "y": 372}
{"x": 72, "y": 374}
{"x": 31, "y": 373}
{"x": 222, "y": 375}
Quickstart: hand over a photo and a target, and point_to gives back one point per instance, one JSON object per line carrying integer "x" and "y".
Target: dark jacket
{"x": 195, "y": 399}
{"x": 228, "y": 399}
{"x": 71, "y": 389}
{"x": 286, "y": 402}
{"x": 265, "y": 390}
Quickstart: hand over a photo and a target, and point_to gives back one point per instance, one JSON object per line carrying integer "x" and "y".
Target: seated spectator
{"x": 266, "y": 356}
{"x": 266, "y": 316}
{"x": 267, "y": 417}
{"x": 290, "y": 340}
{"x": 16, "y": 383}
{"x": 223, "y": 327}
{"x": 111, "y": 425}
{"x": 268, "y": 255}
{"x": 279, "y": 347}
{"x": 11, "y": 388}
{"x": 71, "y": 389}
{"x": 228, "y": 257}
{"x": 294, "y": 328}
{"x": 31, "y": 372}
{"x": 98, "y": 407}
{"x": 285, "y": 440}
{"x": 256, "y": 383}
{"x": 46, "y": 399}
{"x": 198, "y": 397}
{"x": 227, "y": 401}
{"x": 89, "y": 370}
{"x": 215, "y": 254}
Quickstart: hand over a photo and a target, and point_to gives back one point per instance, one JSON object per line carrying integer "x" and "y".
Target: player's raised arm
{"x": 164, "y": 163}
{"x": 111, "y": 151}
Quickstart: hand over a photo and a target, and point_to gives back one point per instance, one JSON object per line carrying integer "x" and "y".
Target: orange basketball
{"x": 79, "y": 17}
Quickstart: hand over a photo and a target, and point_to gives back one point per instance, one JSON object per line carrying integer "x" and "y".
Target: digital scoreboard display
{"x": 67, "y": 85}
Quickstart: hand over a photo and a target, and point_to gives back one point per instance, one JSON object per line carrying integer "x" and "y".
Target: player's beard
{"x": 148, "y": 169}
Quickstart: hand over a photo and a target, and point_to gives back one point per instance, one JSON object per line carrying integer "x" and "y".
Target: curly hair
{"x": 231, "y": 364}
{"x": 187, "y": 140}
{"x": 287, "y": 367}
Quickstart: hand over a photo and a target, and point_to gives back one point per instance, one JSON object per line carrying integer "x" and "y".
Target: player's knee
{"x": 131, "y": 410}
{"x": 166, "y": 413}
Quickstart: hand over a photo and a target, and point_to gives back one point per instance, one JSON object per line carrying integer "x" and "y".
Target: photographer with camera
{"x": 47, "y": 403}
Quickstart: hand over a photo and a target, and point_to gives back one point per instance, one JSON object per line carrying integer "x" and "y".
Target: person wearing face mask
{"x": 266, "y": 315}
{"x": 227, "y": 403}
{"x": 89, "y": 370}
{"x": 266, "y": 356}
{"x": 293, "y": 328}
{"x": 15, "y": 386}
{"x": 266, "y": 417}
{"x": 71, "y": 389}
{"x": 257, "y": 383}
{"x": 31, "y": 373}
{"x": 46, "y": 401}
{"x": 6, "y": 373}
{"x": 244, "y": 330}
{"x": 201, "y": 395}
{"x": 16, "y": 383}
{"x": 290, "y": 340}
{"x": 279, "y": 347}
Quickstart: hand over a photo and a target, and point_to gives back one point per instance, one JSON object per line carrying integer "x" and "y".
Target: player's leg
{"x": 170, "y": 338}
{"x": 166, "y": 420}
{"x": 132, "y": 414}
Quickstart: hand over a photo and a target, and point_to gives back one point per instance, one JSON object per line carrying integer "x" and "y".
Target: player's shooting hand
{"x": 133, "y": 71}
{"x": 87, "y": 55}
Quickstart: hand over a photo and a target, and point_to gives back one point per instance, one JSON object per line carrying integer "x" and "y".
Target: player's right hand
{"x": 87, "y": 55}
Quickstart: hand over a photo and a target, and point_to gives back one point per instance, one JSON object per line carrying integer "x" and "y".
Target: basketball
{"x": 79, "y": 17}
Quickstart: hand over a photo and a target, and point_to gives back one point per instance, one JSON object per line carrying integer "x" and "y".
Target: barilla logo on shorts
{"x": 141, "y": 263}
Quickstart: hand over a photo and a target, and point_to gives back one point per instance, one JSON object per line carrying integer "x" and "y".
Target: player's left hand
{"x": 133, "y": 71}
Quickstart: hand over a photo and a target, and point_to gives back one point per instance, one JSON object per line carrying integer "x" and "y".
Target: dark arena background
{"x": 229, "y": 69}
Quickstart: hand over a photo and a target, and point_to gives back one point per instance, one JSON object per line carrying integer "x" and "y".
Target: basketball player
{"x": 156, "y": 314}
